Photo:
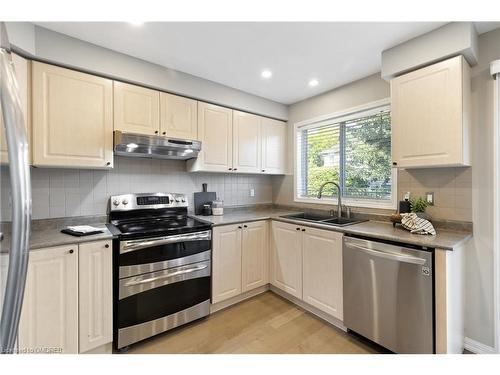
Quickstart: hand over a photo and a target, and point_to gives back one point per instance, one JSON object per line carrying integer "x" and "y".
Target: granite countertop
{"x": 444, "y": 239}
{"x": 47, "y": 237}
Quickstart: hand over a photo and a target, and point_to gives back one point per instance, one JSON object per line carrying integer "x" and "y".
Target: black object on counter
{"x": 79, "y": 234}
{"x": 207, "y": 210}
{"x": 404, "y": 207}
{"x": 202, "y": 198}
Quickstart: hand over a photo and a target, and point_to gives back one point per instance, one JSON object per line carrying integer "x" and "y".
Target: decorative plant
{"x": 418, "y": 204}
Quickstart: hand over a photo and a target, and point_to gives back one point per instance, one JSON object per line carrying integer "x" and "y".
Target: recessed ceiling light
{"x": 313, "y": 82}
{"x": 136, "y": 23}
{"x": 266, "y": 74}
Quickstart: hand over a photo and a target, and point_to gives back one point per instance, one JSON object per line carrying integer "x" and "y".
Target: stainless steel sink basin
{"x": 323, "y": 219}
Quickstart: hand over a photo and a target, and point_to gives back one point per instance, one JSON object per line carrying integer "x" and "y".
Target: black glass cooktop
{"x": 153, "y": 227}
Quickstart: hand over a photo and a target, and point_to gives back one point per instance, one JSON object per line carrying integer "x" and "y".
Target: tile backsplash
{"x": 452, "y": 189}
{"x": 78, "y": 192}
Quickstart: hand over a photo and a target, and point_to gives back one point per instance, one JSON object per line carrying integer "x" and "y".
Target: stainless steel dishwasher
{"x": 389, "y": 294}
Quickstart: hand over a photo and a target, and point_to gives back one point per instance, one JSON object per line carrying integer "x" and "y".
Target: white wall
{"x": 73, "y": 192}
{"x": 58, "y": 48}
{"x": 479, "y": 256}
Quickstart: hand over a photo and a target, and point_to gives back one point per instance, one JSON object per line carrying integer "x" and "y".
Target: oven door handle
{"x": 133, "y": 245}
{"x": 166, "y": 276}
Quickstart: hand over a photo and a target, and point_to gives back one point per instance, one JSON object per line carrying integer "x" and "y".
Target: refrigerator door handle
{"x": 18, "y": 152}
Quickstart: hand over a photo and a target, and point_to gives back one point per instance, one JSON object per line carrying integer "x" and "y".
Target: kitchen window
{"x": 353, "y": 149}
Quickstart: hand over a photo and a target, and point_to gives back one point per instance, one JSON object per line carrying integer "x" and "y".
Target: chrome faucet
{"x": 339, "y": 197}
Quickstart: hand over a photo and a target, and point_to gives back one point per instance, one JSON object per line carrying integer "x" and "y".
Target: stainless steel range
{"x": 162, "y": 265}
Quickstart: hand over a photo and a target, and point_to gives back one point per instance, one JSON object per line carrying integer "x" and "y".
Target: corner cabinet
{"x": 136, "y": 109}
{"x": 273, "y": 133}
{"x": 430, "y": 110}
{"x": 68, "y": 299}
{"x": 72, "y": 118}
{"x": 23, "y": 75}
{"x": 240, "y": 259}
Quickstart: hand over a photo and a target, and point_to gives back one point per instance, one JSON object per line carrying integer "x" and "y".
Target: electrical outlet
{"x": 407, "y": 196}
{"x": 252, "y": 192}
{"x": 429, "y": 197}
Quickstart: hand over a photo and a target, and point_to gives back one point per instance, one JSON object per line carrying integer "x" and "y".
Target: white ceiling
{"x": 234, "y": 54}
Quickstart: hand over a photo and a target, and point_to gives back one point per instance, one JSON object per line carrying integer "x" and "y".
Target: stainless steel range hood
{"x": 155, "y": 147}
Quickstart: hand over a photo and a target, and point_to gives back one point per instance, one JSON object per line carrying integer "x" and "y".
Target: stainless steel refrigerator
{"x": 15, "y": 220}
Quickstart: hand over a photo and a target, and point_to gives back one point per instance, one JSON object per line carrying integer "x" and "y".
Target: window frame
{"x": 363, "y": 110}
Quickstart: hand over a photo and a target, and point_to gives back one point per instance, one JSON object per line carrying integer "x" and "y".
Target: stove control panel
{"x": 127, "y": 202}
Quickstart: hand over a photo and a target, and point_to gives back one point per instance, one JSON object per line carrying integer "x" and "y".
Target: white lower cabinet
{"x": 307, "y": 264}
{"x": 49, "y": 317}
{"x": 322, "y": 270}
{"x": 68, "y": 299}
{"x": 95, "y": 294}
{"x": 286, "y": 258}
{"x": 240, "y": 259}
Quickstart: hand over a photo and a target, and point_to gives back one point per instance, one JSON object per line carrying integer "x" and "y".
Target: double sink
{"x": 321, "y": 219}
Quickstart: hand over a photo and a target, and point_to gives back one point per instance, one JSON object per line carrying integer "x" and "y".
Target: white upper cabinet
{"x": 273, "y": 142}
{"x": 178, "y": 117}
{"x": 49, "y": 317}
{"x": 215, "y": 131}
{"x": 430, "y": 116}
{"x": 23, "y": 74}
{"x": 72, "y": 118}
{"x": 254, "y": 255}
{"x": 286, "y": 258}
{"x": 137, "y": 109}
{"x": 246, "y": 142}
{"x": 322, "y": 270}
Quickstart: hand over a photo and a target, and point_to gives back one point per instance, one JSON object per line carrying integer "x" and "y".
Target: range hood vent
{"x": 154, "y": 147}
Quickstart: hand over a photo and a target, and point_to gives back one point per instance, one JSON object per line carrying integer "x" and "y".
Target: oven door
{"x": 138, "y": 256}
{"x": 155, "y": 302}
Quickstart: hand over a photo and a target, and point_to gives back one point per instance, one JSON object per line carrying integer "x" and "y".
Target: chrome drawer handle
{"x": 392, "y": 256}
{"x": 166, "y": 276}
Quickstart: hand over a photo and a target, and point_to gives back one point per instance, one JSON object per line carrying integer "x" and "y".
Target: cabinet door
{"x": 246, "y": 142}
{"x": 23, "y": 75}
{"x": 427, "y": 115}
{"x": 178, "y": 117}
{"x": 95, "y": 294}
{"x": 215, "y": 131}
{"x": 226, "y": 266}
{"x": 49, "y": 317}
{"x": 322, "y": 270}
{"x": 273, "y": 146}
{"x": 286, "y": 258}
{"x": 72, "y": 118}
{"x": 255, "y": 255}
{"x": 137, "y": 109}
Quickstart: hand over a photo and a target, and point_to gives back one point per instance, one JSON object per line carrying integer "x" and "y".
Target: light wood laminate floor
{"x": 265, "y": 324}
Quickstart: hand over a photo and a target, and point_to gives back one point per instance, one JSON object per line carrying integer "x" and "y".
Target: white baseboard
{"x": 477, "y": 347}
{"x": 237, "y": 299}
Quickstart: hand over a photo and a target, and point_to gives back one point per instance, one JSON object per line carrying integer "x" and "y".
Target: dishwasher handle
{"x": 389, "y": 255}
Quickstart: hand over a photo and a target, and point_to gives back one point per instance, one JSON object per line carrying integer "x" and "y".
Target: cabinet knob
{"x": 106, "y": 246}
{"x": 263, "y": 170}
{"x": 394, "y": 163}
{"x": 164, "y": 133}
{"x": 245, "y": 226}
{"x": 108, "y": 163}
{"x": 230, "y": 169}
{"x": 239, "y": 227}
{"x": 71, "y": 251}
{"x": 297, "y": 228}
{"x": 156, "y": 131}
{"x": 235, "y": 169}
{"x": 303, "y": 230}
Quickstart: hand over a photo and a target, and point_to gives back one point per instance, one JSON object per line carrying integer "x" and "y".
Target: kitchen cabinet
{"x": 273, "y": 135}
{"x": 49, "y": 317}
{"x": 23, "y": 74}
{"x": 254, "y": 255}
{"x": 215, "y": 131}
{"x": 72, "y": 118}
{"x": 136, "y": 109}
{"x": 322, "y": 270}
{"x": 430, "y": 110}
{"x": 178, "y": 117}
{"x": 286, "y": 258}
{"x": 226, "y": 262}
{"x": 95, "y": 294}
{"x": 68, "y": 299}
{"x": 246, "y": 142}
{"x": 240, "y": 259}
